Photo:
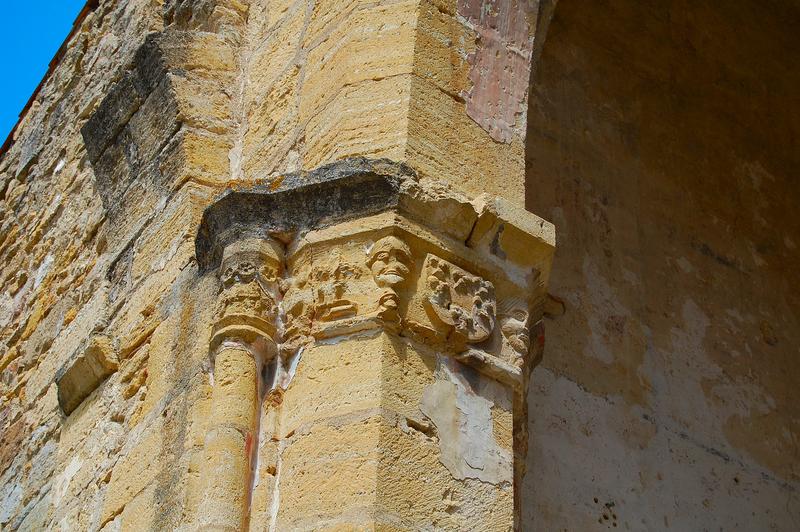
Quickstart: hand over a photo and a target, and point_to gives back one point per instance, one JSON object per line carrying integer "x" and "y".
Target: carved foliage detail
{"x": 350, "y": 287}
{"x": 459, "y": 300}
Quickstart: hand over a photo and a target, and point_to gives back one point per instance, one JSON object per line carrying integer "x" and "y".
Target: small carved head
{"x": 390, "y": 261}
{"x": 515, "y": 328}
{"x": 243, "y": 271}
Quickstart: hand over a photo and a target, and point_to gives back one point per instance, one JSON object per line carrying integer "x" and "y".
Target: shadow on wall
{"x": 663, "y": 143}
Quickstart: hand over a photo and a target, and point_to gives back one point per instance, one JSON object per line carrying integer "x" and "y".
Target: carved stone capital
{"x": 461, "y": 305}
{"x": 373, "y": 248}
{"x": 247, "y": 305}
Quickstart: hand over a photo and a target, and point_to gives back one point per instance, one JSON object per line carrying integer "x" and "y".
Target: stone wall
{"x": 54, "y": 259}
{"x": 663, "y": 144}
{"x": 145, "y": 357}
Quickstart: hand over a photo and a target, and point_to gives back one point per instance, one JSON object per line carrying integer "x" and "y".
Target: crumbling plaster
{"x": 663, "y": 143}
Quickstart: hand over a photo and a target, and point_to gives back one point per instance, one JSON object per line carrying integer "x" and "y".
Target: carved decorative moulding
{"x": 362, "y": 245}
{"x": 247, "y": 306}
{"x": 461, "y": 302}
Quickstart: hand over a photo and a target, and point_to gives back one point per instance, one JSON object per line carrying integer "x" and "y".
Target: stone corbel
{"x": 374, "y": 248}
{"x": 247, "y": 307}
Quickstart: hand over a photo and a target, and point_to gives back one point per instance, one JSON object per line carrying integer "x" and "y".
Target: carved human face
{"x": 514, "y": 326}
{"x": 389, "y": 261}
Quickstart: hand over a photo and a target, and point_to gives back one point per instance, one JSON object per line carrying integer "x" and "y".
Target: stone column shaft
{"x": 242, "y": 348}
{"x": 230, "y": 438}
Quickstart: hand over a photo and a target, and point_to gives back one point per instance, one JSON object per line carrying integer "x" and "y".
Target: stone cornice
{"x": 332, "y": 193}
{"x": 363, "y": 245}
{"x": 358, "y": 187}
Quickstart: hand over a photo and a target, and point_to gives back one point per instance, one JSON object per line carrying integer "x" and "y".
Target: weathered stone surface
{"x": 462, "y": 417}
{"x": 301, "y": 201}
{"x": 361, "y": 261}
{"x": 662, "y": 144}
{"x": 299, "y": 227}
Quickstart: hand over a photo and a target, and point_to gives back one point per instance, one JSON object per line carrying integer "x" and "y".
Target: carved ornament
{"x": 459, "y": 301}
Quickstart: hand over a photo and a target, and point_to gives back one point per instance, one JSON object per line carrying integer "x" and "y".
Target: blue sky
{"x": 30, "y": 34}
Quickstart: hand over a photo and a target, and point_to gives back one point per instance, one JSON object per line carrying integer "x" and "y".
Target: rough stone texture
{"x": 396, "y": 317}
{"x": 158, "y": 110}
{"x": 327, "y": 81}
{"x": 348, "y": 327}
{"x": 54, "y": 260}
{"x": 663, "y": 143}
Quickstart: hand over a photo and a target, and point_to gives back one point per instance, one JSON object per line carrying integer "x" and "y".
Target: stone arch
{"x": 655, "y": 130}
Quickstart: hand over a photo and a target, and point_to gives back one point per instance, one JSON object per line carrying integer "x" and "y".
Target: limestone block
{"x": 504, "y": 231}
{"x": 416, "y": 490}
{"x": 112, "y": 172}
{"x": 443, "y": 44}
{"x": 327, "y": 18}
{"x": 143, "y": 459}
{"x": 272, "y": 57}
{"x": 167, "y": 241}
{"x": 233, "y": 401}
{"x": 226, "y": 473}
{"x": 140, "y": 513}
{"x": 135, "y": 322}
{"x": 159, "y": 375}
{"x": 328, "y": 472}
{"x": 444, "y": 143}
{"x": 274, "y": 128}
{"x": 204, "y": 53}
{"x": 39, "y": 515}
{"x": 196, "y": 155}
{"x": 326, "y": 386}
{"x": 120, "y": 105}
{"x": 85, "y": 373}
{"x": 355, "y": 123}
{"x": 203, "y": 104}
{"x": 407, "y": 370}
{"x": 348, "y": 55}
{"x": 154, "y": 122}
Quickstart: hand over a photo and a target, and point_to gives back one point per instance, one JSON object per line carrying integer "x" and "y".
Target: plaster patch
{"x": 708, "y": 397}
{"x": 464, "y": 424}
{"x": 500, "y": 67}
{"x": 602, "y": 296}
